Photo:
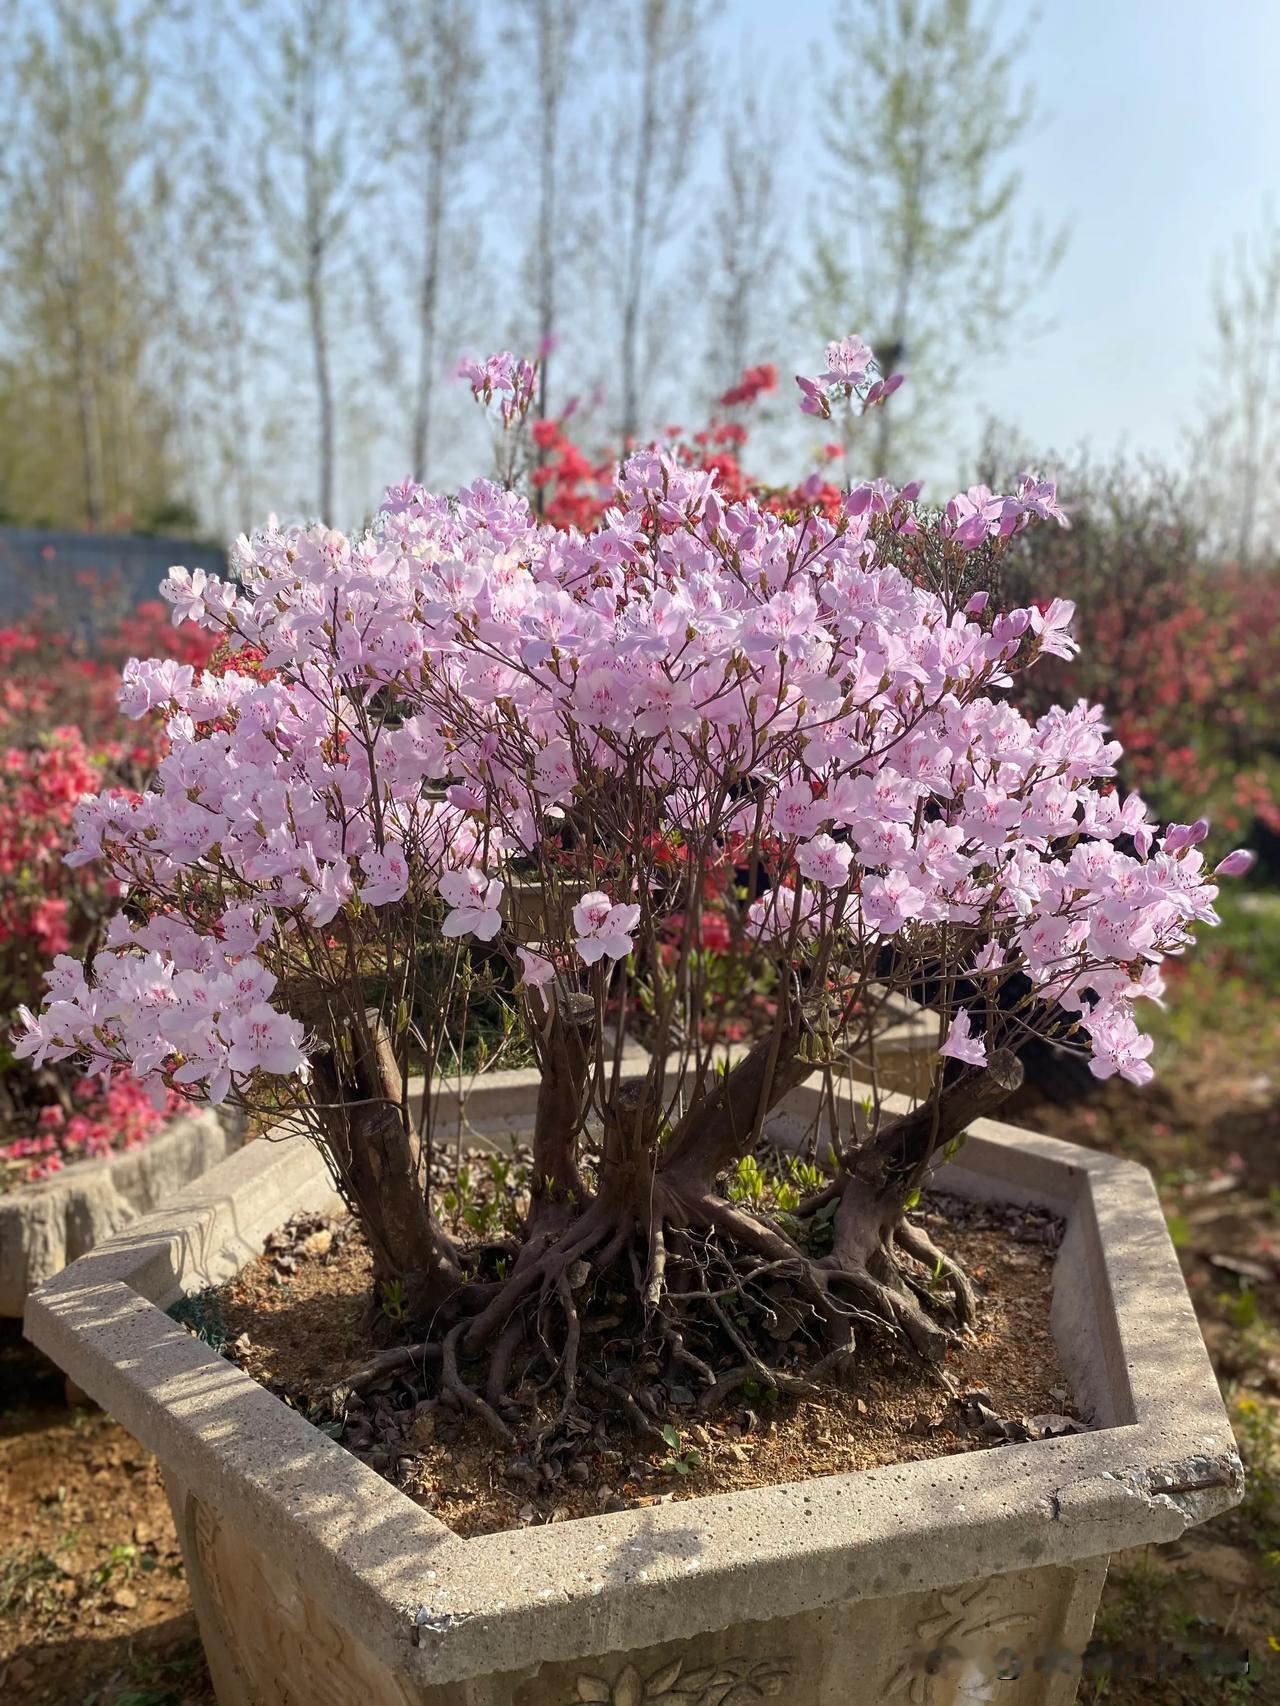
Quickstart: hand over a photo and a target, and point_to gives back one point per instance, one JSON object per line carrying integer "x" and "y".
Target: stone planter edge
{"x": 442, "y": 1609}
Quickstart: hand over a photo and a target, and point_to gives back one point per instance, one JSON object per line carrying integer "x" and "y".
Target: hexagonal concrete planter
{"x": 47, "y": 1225}
{"x": 935, "y": 1583}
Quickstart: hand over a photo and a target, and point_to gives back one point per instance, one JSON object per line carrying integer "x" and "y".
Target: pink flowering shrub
{"x": 583, "y": 754}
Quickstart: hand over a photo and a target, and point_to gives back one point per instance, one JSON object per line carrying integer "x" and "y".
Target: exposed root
{"x": 568, "y": 1365}
{"x": 452, "y": 1382}
{"x": 503, "y": 1355}
{"x": 538, "y": 1262}
{"x": 644, "y": 1424}
{"x": 391, "y": 1362}
{"x": 752, "y": 1368}
{"x": 719, "y": 1298}
{"x": 657, "y": 1267}
{"x": 915, "y": 1241}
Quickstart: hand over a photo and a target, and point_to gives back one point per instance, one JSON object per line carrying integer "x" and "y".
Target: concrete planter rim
{"x": 445, "y": 1609}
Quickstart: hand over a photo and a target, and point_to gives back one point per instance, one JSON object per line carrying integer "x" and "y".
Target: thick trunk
{"x": 719, "y": 1127}
{"x": 557, "y": 1183}
{"x": 376, "y": 1154}
{"x": 894, "y": 1162}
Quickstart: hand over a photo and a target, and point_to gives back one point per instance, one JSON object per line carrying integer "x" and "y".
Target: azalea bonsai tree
{"x": 481, "y": 748}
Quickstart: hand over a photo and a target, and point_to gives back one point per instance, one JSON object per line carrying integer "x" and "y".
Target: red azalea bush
{"x": 575, "y": 488}
{"x": 1182, "y": 649}
{"x": 61, "y": 737}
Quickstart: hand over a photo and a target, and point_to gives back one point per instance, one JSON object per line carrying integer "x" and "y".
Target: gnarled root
{"x": 915, "y": 1241}
{"x": 687, "y": 1292}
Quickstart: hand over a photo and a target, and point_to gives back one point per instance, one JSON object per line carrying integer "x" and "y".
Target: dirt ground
{"x": 93, "y": 1606}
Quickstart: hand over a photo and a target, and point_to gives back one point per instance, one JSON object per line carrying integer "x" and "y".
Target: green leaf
{"x": 672, "y": 1436}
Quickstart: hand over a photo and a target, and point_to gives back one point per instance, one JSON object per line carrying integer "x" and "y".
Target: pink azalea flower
{"x": 475, "y": 900}
{"x": 535, "y": 969}
{"x": 263, "y": 1039}
{"x": 386, "y": 875}
{"x": 604, "y": 930}
{"x": 795, "y": 811}
{"x": 1236, "y": 864}
{"x": 961, "y": 1044}
{"x": 825, "y": 861}
{"x": 151, "y": 682}
{"x": 1119, "y": 1046}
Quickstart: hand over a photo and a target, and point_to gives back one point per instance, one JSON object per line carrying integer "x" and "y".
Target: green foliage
{"x": 201, "y": 1315}
{"x": 85, "y": 419}
{"x": 27, "y": 1577}
{"x": 1258, "y": 1436}
{"x": 391, "y": 1300}
{"x": 683, "y": 1459}
{"x": 747, "y": 1183}
{"x": 1232, "y": 978}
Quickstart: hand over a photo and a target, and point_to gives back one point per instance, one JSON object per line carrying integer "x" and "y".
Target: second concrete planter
{"x": 45, "y": 1226}
{"x": 935, "y": 1583}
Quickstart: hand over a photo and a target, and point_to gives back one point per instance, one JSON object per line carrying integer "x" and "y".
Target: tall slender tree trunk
{"x": 316, "y": 239}
{"x": 72, "y": 286}
{"x": 87, "y": 414}
{"x": 428, "y": 309}
{"x": 549, "y": 93}
{"x": 324, "y": 383}
{"x": 638, "y": 237}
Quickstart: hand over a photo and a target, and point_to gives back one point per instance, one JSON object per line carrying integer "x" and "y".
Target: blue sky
{"x": 1158, "y": 139}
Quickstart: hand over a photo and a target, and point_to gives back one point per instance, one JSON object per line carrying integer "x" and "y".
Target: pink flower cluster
{"x": 851, "y": 372}
{"x": 447, "y": 688}
{"x": 509, "y": 379}
{"x": 973, "y": 516}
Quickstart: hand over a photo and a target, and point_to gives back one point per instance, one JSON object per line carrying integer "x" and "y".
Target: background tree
{"x": 745, "y": 237}
{"x": 320, "y": 153}
{"x": 90, "y": 441}
{"x": 546, "y": 40}
{"x": 660, "y": 49}
{"x": 919, "y": 118}
{"x": 1241, "y": 437}
{"x": 436, "y": 72}
{"x": 554, "y": 160}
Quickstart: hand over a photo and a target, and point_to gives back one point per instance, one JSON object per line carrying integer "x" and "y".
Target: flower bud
{"x": 1236, "y": 864}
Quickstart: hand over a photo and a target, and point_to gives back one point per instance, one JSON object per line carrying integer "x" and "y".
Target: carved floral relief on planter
{"x": 282, "y": 1645}
{"x": 961, "y": 1642}
{"x": 729, "y": 1682}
